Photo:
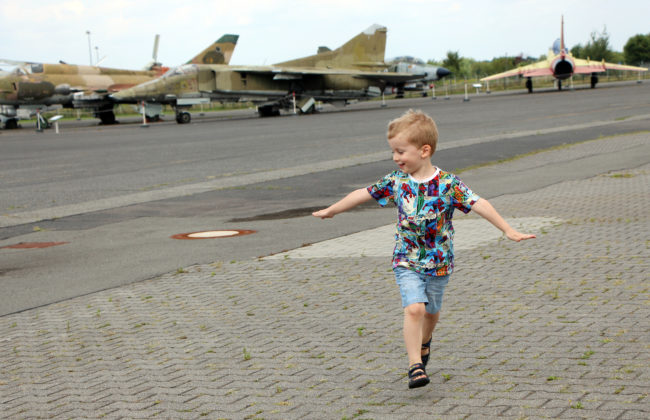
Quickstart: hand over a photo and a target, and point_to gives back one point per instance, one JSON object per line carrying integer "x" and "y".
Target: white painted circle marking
{"x": 213, "y": 234}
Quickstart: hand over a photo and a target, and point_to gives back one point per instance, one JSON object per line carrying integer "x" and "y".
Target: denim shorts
{"x": 421, "y": 288}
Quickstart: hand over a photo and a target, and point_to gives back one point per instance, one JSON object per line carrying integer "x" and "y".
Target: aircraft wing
{"x": 541, "y": 68}
{"x": 7, "y": 62}
{"x": 292, "y": 73}
{"x": 389, "y": 77}
{"x": 588, "y": 66}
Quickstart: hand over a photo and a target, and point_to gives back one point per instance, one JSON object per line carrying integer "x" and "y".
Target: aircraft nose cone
{"x": 442, "y": 72}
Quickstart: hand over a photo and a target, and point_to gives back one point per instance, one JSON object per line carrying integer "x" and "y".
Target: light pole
{"x": 96, "y": 54}
{"x": 90, "y": 51}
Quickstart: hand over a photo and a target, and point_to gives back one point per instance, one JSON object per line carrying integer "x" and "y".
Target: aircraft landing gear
{"x": 594, "y": 80}
{"x": 559, "y": 85}
{"x": 106, "y": 115}
{"x": 268, "y": 111}
{"x": 529, "y": 85}
{"x": 183, "y": 117}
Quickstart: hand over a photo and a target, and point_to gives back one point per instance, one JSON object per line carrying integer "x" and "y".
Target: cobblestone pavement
{"x": 555, "y": 327}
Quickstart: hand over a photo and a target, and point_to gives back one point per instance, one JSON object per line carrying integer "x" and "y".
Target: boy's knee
{"x": 415, "y": 310}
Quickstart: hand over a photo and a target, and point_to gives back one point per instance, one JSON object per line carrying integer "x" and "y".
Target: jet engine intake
{"x": 563, "y": 69}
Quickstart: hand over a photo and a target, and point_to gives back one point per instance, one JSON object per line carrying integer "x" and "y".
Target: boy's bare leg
{"x": 428, "y": 326}
{"x": 414, "y": 316}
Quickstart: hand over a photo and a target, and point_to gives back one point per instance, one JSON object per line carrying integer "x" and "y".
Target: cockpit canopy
{"x": 27, "y": 69}
{"x": 557, "y": 46}
{"x": 407, "y": 59}
{"x": 185, "y": 69}
{"x": 18, "y": 71}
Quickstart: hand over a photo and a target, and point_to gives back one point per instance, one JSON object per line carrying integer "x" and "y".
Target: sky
{"x": 122, "y": 32}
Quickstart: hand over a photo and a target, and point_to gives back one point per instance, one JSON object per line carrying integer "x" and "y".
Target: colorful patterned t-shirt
{"x": 424, "y": 230}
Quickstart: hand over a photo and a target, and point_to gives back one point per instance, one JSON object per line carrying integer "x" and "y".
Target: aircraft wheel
{"x": 183, "y": 117}
{"x": 268, "y": 111}
{"x": 107, "y": 117}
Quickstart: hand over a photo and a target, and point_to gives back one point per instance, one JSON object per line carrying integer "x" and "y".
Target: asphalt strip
{"x": 58, "y": 212}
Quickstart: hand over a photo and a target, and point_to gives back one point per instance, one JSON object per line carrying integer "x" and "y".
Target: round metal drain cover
{"x": 213, "y": 234}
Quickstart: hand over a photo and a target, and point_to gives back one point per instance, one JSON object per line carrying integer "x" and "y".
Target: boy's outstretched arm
{"x": 484, "y": 209}
{"x": 351, "y": 200}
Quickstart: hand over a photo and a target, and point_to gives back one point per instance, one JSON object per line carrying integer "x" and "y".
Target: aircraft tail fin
{"x": 562, "y": 50}
{"x": 218, "y": 52}
{"x": 365, "y": 50}
{"x": 558, "y": 47}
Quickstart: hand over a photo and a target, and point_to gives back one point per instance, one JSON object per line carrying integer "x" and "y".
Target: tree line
{"x": 635, "y": 52}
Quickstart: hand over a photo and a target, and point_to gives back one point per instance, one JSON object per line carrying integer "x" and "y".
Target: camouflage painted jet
{"x": 354, "y": 71}
{"x": 33, "y": 86}
{"x": 408, "y": 64}
{"x": 561, "y": 65}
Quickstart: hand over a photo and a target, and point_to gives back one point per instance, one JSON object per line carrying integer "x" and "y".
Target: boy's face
{"x": 408, "y": 156}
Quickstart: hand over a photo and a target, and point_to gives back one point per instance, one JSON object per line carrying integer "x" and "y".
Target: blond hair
{"x": 420, "y": 129}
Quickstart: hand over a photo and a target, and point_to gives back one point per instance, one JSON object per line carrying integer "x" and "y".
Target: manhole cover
{"x": 212, "y": 234}
{"x": 32, "y": 245}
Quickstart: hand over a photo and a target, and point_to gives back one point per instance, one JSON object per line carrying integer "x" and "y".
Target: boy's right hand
{"x": 353, "y": 199}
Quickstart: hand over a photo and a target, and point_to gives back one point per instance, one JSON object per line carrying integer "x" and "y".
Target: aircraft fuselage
{"x": 56, "y": 83}
{"x": 230, "y": 83}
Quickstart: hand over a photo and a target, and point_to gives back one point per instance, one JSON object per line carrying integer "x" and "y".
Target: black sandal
{"x": 425, "y": 357}
{"x": 417, "y": 376}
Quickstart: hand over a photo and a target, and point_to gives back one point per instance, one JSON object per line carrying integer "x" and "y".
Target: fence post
{"x": 466, "y": 99}
{"x": 144, "y": 117}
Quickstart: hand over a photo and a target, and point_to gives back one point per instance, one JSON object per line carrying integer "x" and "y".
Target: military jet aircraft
{"x": 353, "y": 71}
{"x": 408, "y": 64}
{"x": 33, "y": 86}
{"x": 561, "y": 64}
